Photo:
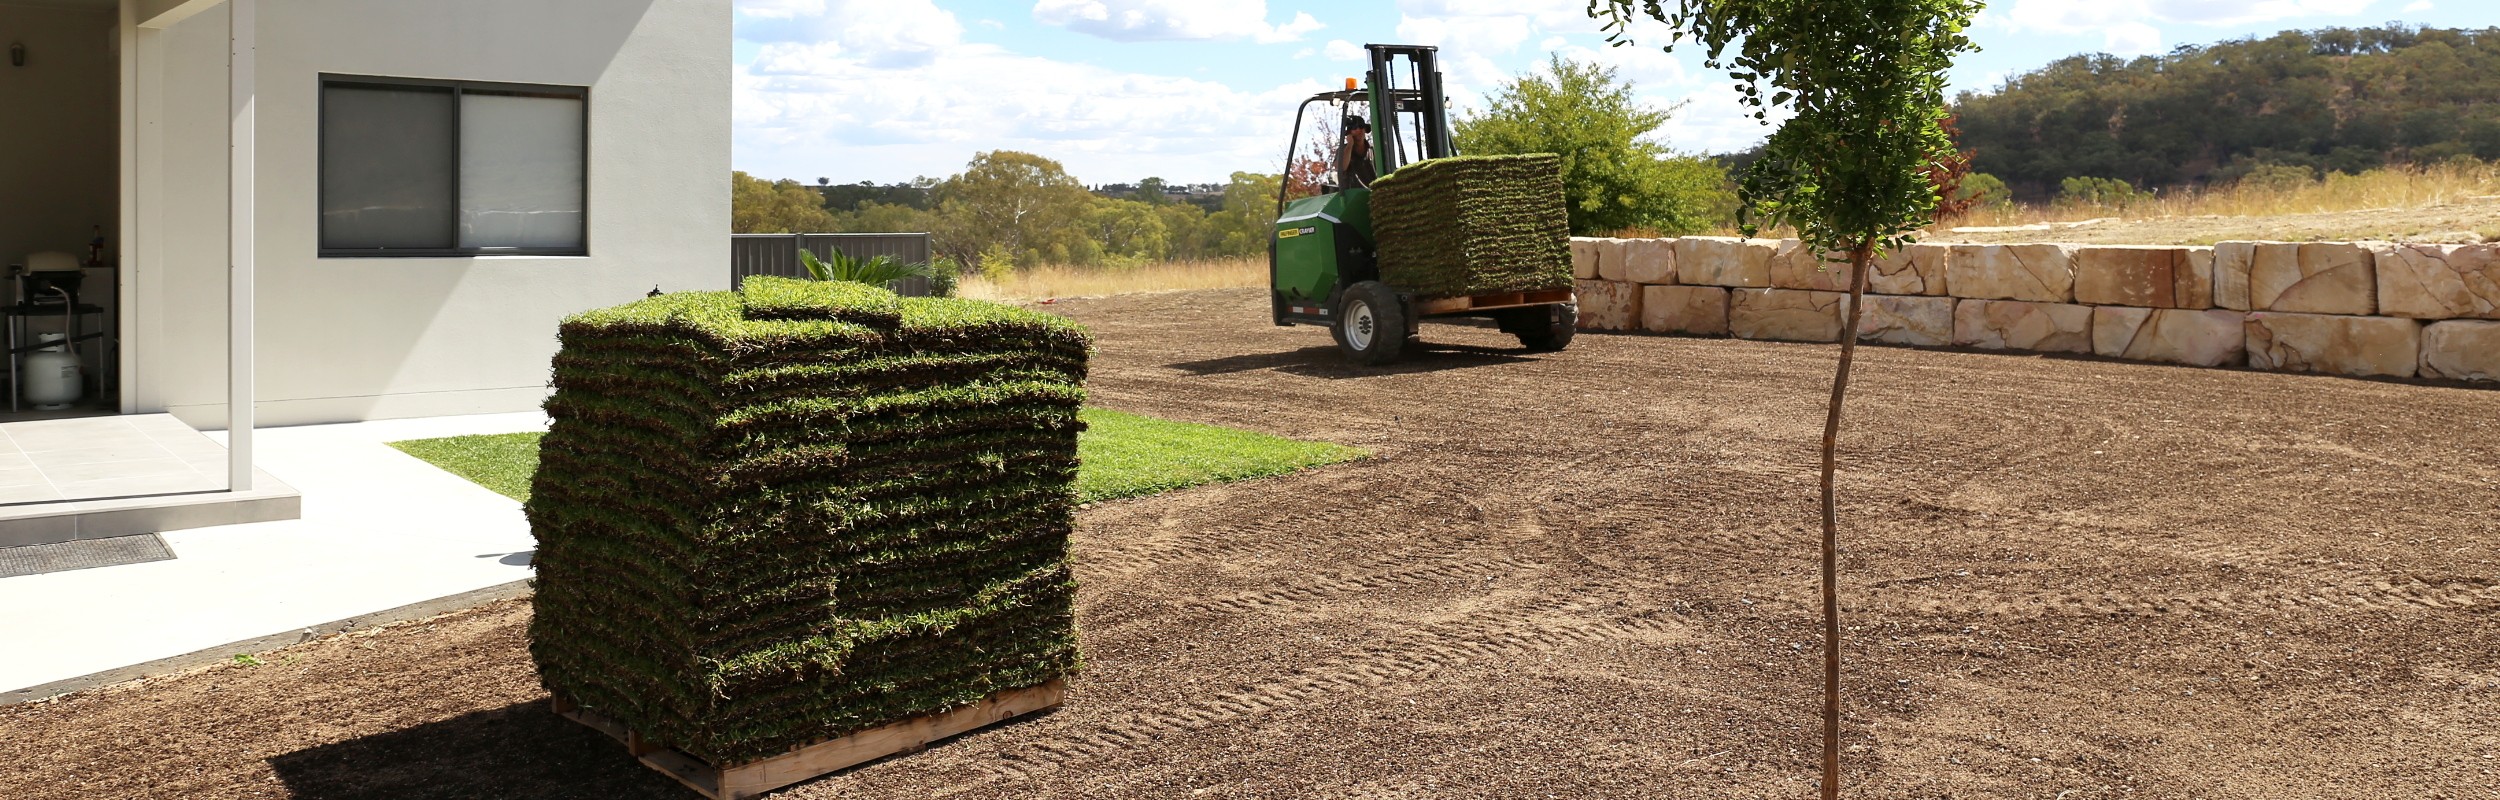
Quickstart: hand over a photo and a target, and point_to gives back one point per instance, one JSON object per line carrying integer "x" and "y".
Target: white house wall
{"x": 362, "y": 338}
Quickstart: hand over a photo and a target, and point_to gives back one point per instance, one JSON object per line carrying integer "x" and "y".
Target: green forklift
{"x": 1321, "y": 267}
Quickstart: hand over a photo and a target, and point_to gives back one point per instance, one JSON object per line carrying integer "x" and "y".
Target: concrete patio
{"x": 98, "y": 478}
{"x": 382, "y": 535}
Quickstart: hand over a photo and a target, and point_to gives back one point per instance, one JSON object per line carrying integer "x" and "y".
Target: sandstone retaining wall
{"x": 2343, "y": 308}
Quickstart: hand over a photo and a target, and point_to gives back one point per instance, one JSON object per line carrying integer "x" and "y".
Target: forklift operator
{"x": 1354, "y": 156}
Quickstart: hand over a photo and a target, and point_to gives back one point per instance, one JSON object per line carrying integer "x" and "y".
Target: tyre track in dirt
{"x": 2379, "y": 596}
{"x": 1476, "y": 639}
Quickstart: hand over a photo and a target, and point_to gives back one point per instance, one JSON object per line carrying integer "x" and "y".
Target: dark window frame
{"x": 458, "y": 89}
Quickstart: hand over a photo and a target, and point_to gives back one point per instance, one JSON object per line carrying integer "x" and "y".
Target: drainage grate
{"x": 88, "y": 554}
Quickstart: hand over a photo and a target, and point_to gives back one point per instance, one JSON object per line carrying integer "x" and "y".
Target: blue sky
{"x": 1193, "y": 90}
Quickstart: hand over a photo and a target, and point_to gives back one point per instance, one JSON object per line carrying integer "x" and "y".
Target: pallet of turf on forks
{"x": 793, "y": 528}
{"x": 1474, "y": 225}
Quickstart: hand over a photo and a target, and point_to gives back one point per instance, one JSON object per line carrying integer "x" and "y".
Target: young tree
{"x": 1024, "y": 202}
{"x": 1865, "y": 79}
{"x": 1616, "y": 176}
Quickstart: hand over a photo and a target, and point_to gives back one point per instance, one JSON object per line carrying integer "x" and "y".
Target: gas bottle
{"x": 53, "y": 378}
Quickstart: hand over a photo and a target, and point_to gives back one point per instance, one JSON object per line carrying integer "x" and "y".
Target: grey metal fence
{"x": 778, "y": 254}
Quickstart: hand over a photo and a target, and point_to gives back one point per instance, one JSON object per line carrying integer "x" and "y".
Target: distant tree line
{"x": 2331, "y": 100}
{"x": 1010, "y": 208}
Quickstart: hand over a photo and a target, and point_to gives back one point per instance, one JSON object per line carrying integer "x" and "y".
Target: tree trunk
{"x": 1858, "y": 259}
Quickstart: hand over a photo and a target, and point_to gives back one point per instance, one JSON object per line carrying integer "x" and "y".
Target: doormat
{"x": 87, "y": 554}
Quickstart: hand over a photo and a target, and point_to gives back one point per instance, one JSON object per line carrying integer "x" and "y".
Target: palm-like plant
{"x": 877, "y": 271}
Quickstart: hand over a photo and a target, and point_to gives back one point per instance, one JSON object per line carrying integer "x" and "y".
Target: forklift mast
{"x": 1410, "y": 117}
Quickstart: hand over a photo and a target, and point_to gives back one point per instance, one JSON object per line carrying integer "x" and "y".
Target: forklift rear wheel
{"x": 1544, "y": 329}
{"x": 1371, "y": 324}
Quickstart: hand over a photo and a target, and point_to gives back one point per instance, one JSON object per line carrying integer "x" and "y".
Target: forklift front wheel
{"x": 1371, "y": 324}
{"x": 1544, "y": 329}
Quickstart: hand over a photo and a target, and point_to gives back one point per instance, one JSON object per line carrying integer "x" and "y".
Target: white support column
{"x": 242, "y": 75}
{"x": 126, "y": 251}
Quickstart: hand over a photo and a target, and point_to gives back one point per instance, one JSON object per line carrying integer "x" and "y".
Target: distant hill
{"x": 2333, "y": 99}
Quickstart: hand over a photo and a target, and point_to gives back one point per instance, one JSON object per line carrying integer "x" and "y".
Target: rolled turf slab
{"x": 1474, "y": 225}
{"x": 776, "y": 516}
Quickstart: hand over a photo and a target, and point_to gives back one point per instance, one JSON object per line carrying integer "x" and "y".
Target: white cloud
{"x": 1162, "y": 20}
{"x": 1342, "y": 50}
{"x": 840, "y": 107}
{"x": 2418, "y": 6}
{"x": 780, "y": 9}
{"x": 2131, "y": 39}
{"x": 1473, "y": 34}
{"x": 2078, "y": 16}
{"x": 889, "y": 34}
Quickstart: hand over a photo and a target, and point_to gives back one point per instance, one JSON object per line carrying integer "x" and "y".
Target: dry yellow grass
{"x": 1044, "y": 282}
{"x": 2452, "y": 202}
{"x": 2378, "y": 189}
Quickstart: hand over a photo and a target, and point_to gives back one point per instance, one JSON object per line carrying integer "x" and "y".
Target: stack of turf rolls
{"x": 771, "y": 517}
{"x": 1472, "y": 225}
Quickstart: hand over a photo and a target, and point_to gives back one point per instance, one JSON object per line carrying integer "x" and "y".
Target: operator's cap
{"x": 1356, "y": 123}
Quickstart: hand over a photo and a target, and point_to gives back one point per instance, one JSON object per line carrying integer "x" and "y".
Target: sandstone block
{"x": 2313, "y": 278}
{"x": 2144, "y": 277}
{"x": 1609, "y": 306}
{"x": 1915, "y": 270}
{"x": 1613, "y": 261}
{"x": 2195, "y": 289}
{"x": 1650, "y": 261}
{"x": 2018, "y": 325}
{"x": 2176, "y": 336}
{"x": 2339, "y": 345}
{"x": 1584, "y": 258}
{"x": 1698, "y": 310}
{"x": 1917, "y": 321}
{"x": 2463, "y": 350}
{"x": 1794, "y": 266}
{"x": 2231, "y": 262}
{"x": 2439, "y": 281}
{"x": 1724, "y": 261}
{"x": 2040, "y": 273}
{"x": 1786, "y": 315}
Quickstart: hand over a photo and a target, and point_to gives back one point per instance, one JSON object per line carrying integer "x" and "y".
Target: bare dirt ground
{"x": 2462, "y": 222}
{"x": 1591, "y": 575}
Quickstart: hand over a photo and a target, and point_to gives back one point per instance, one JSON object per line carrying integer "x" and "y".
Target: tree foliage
{"x": 2337, "y": 99}
{"x": 760, "y": 206}
{"x": 1865, "y": 82}
{"x": 1618, "y": 176}
{"x": 1020, "y": 201}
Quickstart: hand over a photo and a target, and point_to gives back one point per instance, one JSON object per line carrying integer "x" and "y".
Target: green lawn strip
{"x": 502, "y": 462}
{"x": 1124, "y": 455}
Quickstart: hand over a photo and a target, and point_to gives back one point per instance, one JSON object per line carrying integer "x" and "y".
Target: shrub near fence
{"x": 2348, "y": 308}
{"x": 777, "y": 254}
{"x": 776, "y": 516}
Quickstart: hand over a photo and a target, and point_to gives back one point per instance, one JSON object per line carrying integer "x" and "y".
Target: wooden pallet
{"x": 807, "y": 762}
{"x": 1487, "y": 302}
